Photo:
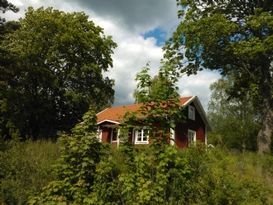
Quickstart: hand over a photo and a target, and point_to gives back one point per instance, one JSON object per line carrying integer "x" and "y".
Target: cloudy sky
{"x": 139, "y": 27}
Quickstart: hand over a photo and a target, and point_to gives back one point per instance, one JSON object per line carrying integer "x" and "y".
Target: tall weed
{"x": 25, "y": 168}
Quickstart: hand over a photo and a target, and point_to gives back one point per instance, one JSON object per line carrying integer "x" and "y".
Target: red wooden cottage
{"x": 193, "y": 129}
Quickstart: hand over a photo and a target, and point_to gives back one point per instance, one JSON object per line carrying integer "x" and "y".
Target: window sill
{"x": 141, "y": 142}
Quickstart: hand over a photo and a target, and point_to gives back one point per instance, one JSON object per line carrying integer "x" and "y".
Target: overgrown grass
{"x": 25, "y": 168}
{"x": 245, "y": 168}
{"x": 191, "y": 176}
{"x": 221, "y": 176}
{"x": 251, "y": 166}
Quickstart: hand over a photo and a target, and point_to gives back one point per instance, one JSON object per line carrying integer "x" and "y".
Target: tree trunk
{"x": 264, "y": 137}
{"x": 265, "y": 134}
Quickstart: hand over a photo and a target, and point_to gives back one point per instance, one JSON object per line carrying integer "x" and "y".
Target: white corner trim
{"x": 118, "y": 140}
{"x": 99, "y": 134}
{"x": 172, "y": 136}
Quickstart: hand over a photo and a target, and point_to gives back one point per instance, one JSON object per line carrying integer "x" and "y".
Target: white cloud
{"x": 17, "y": 3}
{"x": 198, "y": 85}
{"x": 132, "y": 53}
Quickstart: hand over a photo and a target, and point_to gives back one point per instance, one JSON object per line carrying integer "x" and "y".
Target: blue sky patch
{"x": 157, "y": 33}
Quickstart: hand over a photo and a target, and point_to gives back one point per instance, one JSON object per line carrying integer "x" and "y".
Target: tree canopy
{"x": 235, "y": 121}
{"x": 53, "y": 72}
{"x": 231, "y": 37}
{"x": 157, "y": 88}
{"x": 160, "y": 103}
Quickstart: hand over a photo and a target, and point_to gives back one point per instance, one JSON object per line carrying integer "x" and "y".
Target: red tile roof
{"x": 117, "y": 113}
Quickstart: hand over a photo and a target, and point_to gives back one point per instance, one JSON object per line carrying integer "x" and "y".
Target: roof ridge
{"x": 133, "y": 104}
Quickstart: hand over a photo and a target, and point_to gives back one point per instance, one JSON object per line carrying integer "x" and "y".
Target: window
{"x": 191, "y": 137}
{"x": 141, "y": 136}
{"x": 191, "y": 112}
{"x": 114, "y": 135}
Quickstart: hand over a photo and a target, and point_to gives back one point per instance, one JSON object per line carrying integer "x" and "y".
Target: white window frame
{"x": 191, "y": 112}
{"x": 112, "y": 132}
{"x": 194, "y": 137}
{"x": 136, "y": 131}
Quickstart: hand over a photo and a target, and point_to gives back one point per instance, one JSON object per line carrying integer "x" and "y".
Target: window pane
{"x": 114, "y": 134}
{"x": 191, "y": 112}
{"x": 191, "y": 136}
{"x": 144, "y": 138}
{"x": 145, "y": 135}
{"x": 139, "y": 135}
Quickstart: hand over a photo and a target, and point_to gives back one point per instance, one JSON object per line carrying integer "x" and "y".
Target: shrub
{"x": 171, "y": 176}
{"x": 80, "y": 153}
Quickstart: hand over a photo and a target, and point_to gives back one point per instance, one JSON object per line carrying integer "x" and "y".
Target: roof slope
{"x": 116, "y": 114}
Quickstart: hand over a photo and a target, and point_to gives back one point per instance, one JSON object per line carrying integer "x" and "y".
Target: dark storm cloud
{"x": 134, "y": 14}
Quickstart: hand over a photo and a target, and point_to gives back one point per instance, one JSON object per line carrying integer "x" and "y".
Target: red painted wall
{"x": 181, "y": 130}
{"x": 106, "y": 134}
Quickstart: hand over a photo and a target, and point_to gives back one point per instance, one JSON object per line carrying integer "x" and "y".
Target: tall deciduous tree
{"x": 5, "y": 61}
{"x": 229, "y": 36}
{"x": 235, "y": 121}
{"x": 57, "y": 61}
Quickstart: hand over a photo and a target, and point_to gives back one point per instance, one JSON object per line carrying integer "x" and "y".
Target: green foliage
{"x": 25, "y": 168}
{"x": 133, "y": 175}
{"x": 90, "y": 173}
{"x": 233, "y": 37}
{"x": 171, "y": 176}
{"x": 144, "y": 85}
{"x": 80, "y": 153}
{"x": 235, "y": 121}
{"x": 53, "y": 72}
{"x": 230, "y": 182}
{"x": 160, "y": 108}
{"x": 161, "y": 87}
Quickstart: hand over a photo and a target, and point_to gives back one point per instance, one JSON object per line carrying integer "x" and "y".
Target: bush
{"x": 171, "y": 176}
{"x": 25, "y": 169}
{"x": 76, "y": 170}
{"x": 91, "y": 173}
